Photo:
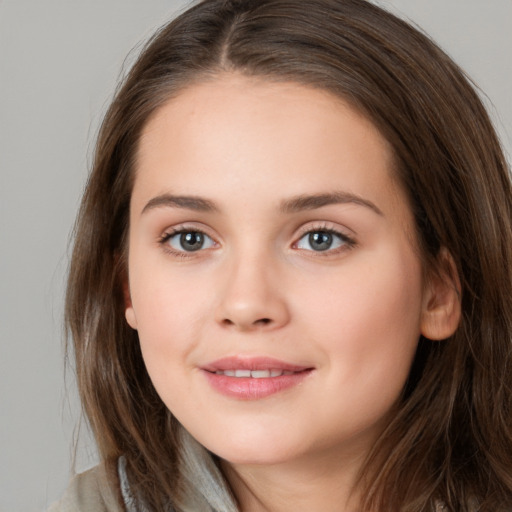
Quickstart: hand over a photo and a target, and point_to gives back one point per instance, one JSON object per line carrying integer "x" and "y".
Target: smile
{"x": 254, "y": 374}
{"x": 253, "y": 378}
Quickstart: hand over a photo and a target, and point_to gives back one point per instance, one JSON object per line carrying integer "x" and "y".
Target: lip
{"x": 250, "y": 388}
{"x": 252, "y": 363}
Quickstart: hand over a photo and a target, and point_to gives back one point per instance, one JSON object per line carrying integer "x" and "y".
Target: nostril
{"x": 247, "y": 325}
{"x": 263, "y": 321}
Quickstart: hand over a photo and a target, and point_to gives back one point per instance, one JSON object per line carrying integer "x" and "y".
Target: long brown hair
{"x": 451, "y": 438}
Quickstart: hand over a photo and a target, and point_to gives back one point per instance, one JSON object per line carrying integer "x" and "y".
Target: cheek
{"x": 368, "y": 323}
{"x": 168, "y": 310}
{"x": 166, "y": 337}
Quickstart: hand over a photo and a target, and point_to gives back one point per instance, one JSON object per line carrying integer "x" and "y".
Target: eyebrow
{"x": 312, "y": 202}
{"x": 195, "y": 203}
{"x": 292, "y": 205}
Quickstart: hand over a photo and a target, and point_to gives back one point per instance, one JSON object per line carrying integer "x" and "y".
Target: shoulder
{"x": 88, "y": 492}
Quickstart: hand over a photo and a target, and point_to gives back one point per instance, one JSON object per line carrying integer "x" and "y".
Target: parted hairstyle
{"x": 450, "y": 439}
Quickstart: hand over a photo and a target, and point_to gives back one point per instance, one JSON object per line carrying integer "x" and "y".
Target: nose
{"x": 252, "y": 296}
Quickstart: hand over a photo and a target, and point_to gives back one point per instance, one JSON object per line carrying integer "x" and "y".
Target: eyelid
{"x": 349, "y": 240}
{"x": 323, "y": 225}
{"x": 198, "y": 227}
{"x": 170, "y": 232}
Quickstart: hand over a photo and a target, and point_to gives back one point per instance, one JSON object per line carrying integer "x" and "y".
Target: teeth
{"x": 260, "y": 374}
{"x": 255, "y": 374}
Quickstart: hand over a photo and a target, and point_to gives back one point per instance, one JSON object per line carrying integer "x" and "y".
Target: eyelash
{"x": 173, "y": 232}
{"x": 347, "y": 242}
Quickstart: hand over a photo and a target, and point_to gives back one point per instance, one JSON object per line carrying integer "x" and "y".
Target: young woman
{"x": 291, "y": 287}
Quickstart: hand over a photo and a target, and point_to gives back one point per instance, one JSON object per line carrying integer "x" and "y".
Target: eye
{"x": 323, "y": 240}
{"x": 188, "y": 241}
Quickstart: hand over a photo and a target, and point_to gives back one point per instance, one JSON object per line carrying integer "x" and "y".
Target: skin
{"x": 352, "y": 313}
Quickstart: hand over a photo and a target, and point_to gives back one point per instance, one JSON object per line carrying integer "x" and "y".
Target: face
{"x": 273, "y": 276}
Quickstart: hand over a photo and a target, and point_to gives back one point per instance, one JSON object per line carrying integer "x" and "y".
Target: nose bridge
{"x": 251, "y": 297}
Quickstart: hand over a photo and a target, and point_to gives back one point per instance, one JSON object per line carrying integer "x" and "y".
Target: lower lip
{"x": 249, "y": 388}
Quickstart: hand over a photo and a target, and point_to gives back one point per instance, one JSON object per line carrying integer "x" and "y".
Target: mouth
{"x": 254, "y": 374}
{"x": 253, "y": 378}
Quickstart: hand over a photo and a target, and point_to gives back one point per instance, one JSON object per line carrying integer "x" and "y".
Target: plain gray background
{"x": 59, "y": 62}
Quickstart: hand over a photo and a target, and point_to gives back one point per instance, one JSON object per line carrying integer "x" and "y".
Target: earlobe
{"x": 129, "y": 313}
{"x": 442, "y": 300}
{"x": 130, "y": 317}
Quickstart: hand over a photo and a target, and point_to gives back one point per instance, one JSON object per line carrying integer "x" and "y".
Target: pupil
{"x": 320, "y": 240}
{"x": 192, "y": 241}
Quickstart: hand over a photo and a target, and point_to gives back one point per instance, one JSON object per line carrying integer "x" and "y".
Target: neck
{"x": 326, "y": 483}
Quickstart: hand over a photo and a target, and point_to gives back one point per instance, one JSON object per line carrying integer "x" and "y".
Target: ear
{"x": 441, "y": 310}
{"x": 129, "y": 312}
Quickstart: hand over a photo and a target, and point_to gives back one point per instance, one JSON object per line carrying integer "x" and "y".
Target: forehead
{"x": 235, "y": 95}
{"x": 234, "y": 130}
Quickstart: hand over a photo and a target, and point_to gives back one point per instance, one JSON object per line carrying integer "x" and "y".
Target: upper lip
{"x": 252, "y": 363}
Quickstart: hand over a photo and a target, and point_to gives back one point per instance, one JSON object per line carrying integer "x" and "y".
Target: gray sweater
{"x": 88, "y": 492}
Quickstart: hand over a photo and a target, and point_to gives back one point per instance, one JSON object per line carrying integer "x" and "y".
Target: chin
{"x": 256, "y": 452}
{"x": 252, "y": 457}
